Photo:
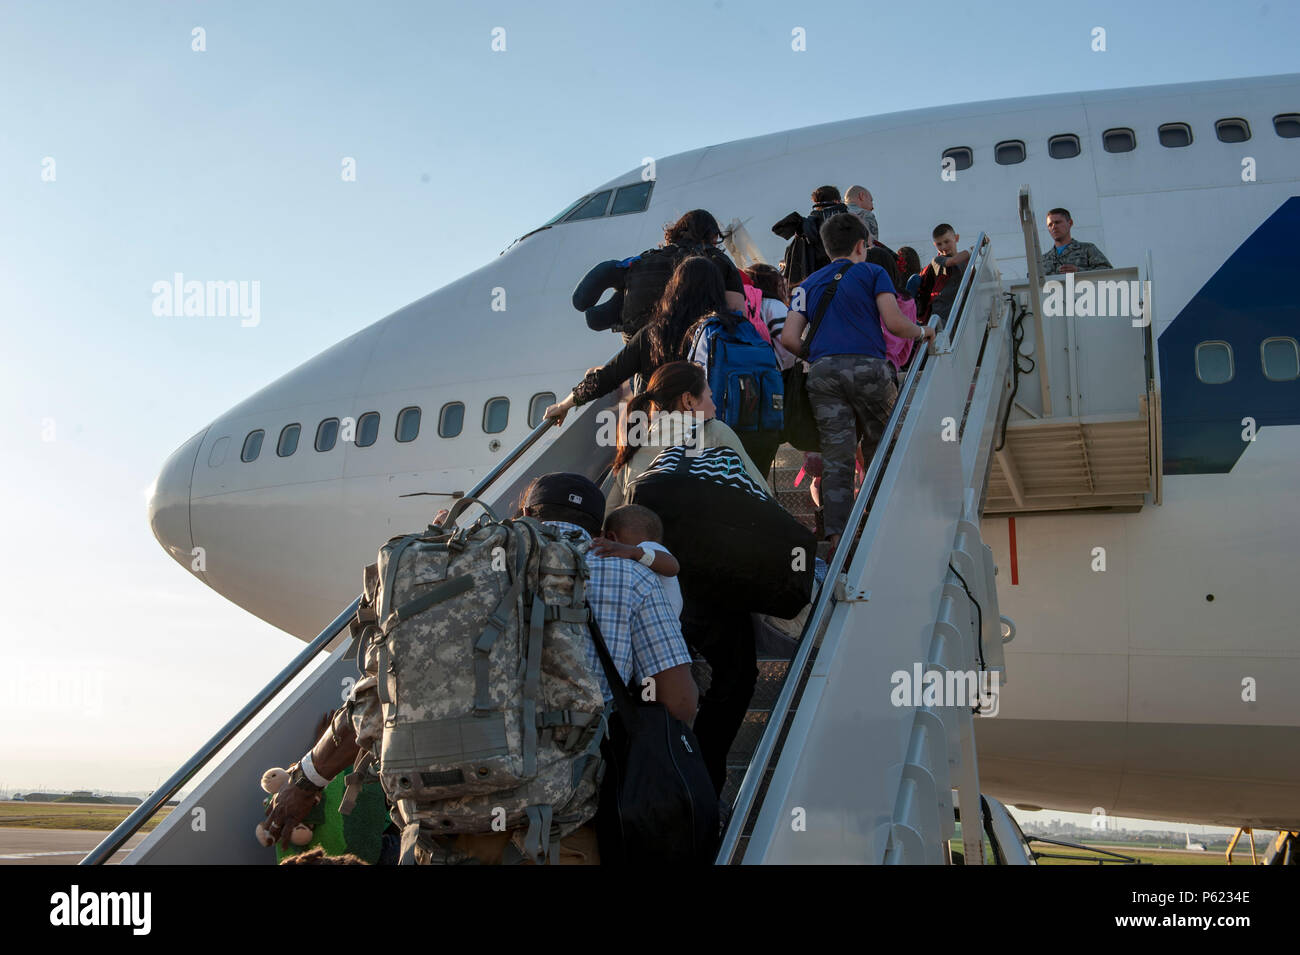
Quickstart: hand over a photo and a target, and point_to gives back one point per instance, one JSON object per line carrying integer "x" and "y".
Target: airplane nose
{"x": 169, "y": 504}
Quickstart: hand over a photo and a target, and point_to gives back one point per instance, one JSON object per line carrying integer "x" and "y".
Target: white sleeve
{"x": 700, "y": 349}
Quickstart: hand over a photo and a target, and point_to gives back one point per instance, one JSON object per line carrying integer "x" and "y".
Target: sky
{"x": 128, "y": 155}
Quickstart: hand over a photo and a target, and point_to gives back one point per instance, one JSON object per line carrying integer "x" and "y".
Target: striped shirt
{"x": 641, "y": 631}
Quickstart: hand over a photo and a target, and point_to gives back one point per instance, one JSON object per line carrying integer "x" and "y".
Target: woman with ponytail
{"x": 679, "y": 405}
{"x": 676, "y": 400}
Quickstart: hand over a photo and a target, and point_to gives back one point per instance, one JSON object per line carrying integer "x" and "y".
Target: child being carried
{"x": 636, "y": 533}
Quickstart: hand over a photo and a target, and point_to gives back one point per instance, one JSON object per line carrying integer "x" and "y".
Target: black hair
{"x": 1058, "y": 211}
{"x": 697, "y": 227}
{"x": 942, "y": 229}
{"x": 824, "y": 194}
{"x": 881, "y": 257}
{"x": 695, "y": 291}
{"x": 909, "y": 262}
{"x": 634, "y": 515}
{"x": 766, "y": 278}
{"x": 841, "y": 233}
{"x": 664, "y": 389}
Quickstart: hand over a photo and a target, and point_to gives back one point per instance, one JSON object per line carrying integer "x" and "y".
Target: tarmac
{"x": 55, "y": 846}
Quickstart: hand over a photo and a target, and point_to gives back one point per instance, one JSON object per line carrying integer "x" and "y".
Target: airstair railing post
{"x": 963, "y": 292}
{"x": 1034, "y": 271}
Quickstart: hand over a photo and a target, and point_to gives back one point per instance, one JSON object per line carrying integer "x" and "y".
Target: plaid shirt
{"x": 640, "y": 630}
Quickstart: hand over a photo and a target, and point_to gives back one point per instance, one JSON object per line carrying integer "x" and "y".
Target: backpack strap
{"x": 537, "y": 841}
{"x": 381, "y": 607}
{"x": 623, "y": 701}
{"x": 353, "y": 782}
{"x": 497, "y": 622}
{"x": 532, "y": 684}
{"x": 444, "y": 591}
{"x": 822, "y": 305}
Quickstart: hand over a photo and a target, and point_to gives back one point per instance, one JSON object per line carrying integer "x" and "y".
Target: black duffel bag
{"x": 800, "y": 430}
{"x": 738, "y": 548}
{"x": 657, "y": 802}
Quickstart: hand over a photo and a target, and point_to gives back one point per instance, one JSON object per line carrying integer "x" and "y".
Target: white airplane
{"x": 1163, "y": 687}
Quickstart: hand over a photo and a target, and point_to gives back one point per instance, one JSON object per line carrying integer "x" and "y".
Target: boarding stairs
{"x": 827, "y": 768}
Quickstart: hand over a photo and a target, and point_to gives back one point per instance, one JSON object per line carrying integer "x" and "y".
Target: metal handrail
{"x": 822, "y": 608}
{"x": 128, "y": 826}
{"x": 491, "y": 477}
{"x": 963, "y": 287}
{"x": 145, "y": 811}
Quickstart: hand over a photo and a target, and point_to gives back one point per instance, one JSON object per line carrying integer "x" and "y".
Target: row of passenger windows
{"x": 1123, "y": 140}
{"x": 1279, "y": 356}
{"x": 451, "y": 421}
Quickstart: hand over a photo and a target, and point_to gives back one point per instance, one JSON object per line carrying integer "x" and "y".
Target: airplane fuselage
{"x": 1159, "y": 687}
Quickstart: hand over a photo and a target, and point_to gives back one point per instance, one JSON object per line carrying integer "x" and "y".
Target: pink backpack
{"x": 754, "y": 311}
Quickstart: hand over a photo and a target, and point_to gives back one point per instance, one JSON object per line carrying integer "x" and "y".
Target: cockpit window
{"x": 627, "y": 200}
{"x": 592, "y": 208}
{"x": 567, "y": 209}
{"x": 632, "y": 198}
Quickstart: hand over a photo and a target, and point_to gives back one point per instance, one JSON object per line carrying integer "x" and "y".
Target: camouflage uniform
{"x": 1083, "y": 255}
{"x": 868, "y": 219}
{"x": 852, "y": 397}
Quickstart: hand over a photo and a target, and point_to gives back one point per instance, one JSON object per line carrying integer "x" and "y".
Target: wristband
{"x": 309, "y": 771}
{"x": 647, "y": 557}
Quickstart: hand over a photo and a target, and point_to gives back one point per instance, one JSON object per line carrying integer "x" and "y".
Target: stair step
{"x": 746, "y": 742}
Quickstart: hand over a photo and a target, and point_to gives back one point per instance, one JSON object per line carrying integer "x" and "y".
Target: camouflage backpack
{"x": 493, "y": 716}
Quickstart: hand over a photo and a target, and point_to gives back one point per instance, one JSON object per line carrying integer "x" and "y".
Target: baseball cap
{"x": 569, "y": 490}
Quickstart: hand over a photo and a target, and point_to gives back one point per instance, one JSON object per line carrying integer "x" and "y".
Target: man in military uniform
{"x": 1069, "y": 254}
{"x": 862, "y": 205}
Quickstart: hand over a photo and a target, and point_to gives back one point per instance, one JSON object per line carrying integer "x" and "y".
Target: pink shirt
{"x": 898, "y": 350}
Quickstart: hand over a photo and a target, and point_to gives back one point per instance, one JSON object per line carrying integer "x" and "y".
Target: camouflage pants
{"x": 852, "y": 397}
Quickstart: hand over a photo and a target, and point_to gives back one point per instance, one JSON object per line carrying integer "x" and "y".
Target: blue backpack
{"x": 743, "y": 374}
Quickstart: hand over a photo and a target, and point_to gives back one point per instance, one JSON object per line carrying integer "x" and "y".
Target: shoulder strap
{"x": 823, "y": 305}
{"x": 623, "y": 702}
